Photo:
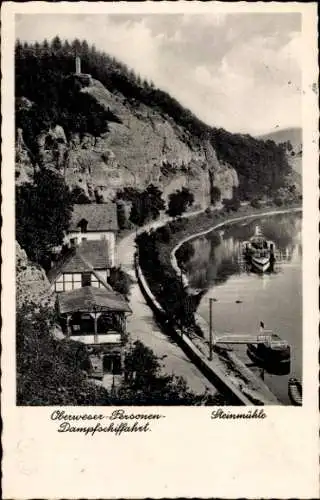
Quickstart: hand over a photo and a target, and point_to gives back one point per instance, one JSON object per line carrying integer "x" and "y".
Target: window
{"x": 86, "y": 279}
{"x": 59, "y": 286}
{"x": 68, "y": 281}
{"x": 95, "y": 282}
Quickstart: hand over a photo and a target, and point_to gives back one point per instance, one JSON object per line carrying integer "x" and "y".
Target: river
{"x": 214, "y": 264}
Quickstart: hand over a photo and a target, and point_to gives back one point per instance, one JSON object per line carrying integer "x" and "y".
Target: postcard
{"x": 159, "y": 301}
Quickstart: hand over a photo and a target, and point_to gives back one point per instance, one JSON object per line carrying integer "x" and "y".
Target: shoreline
{"x": 200, "y": 320}
{"x": 240, "y": 377}
{"x": 192, "y": 236}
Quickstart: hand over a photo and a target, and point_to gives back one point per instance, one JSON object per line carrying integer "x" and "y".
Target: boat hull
{"x": 260, "y": 264}
{"x": 295, "y": 392}
{"x": 272, "y": 361}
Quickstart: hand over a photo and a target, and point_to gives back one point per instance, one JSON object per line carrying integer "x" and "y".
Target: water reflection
{"x": 215, "y": 266}
{"x": 217, "y": 256}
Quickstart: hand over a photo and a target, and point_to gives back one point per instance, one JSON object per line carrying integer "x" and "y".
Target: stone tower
{"x": 78, "y": 65}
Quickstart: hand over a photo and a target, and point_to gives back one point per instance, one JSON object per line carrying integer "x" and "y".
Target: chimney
{"x": 78, "y": 65}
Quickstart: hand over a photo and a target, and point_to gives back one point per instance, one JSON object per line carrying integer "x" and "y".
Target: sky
{"x": 238, "y": 71}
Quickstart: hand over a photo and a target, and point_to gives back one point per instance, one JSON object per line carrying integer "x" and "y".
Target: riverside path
{"x": 142, "y": 326}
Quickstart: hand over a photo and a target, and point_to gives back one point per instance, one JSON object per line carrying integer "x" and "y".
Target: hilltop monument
{"x": 78, "y": 65}
{"x": 84, "y": 78}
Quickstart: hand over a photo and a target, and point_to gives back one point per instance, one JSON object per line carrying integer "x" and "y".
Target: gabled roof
{"x": 96, "y": 252}
{"x": 88, "y": 299}
{"x": 86, "y": 257}
{"x": 100, "y": 217}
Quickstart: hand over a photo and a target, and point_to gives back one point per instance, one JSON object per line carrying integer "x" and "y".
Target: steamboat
{"x": 259, "y": 252}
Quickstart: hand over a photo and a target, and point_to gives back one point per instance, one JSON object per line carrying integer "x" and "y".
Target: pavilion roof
{"x": 90, "y": 299}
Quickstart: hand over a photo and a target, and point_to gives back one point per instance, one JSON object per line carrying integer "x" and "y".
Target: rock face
{"x": 23, "y": 165}
{"x": 32, "y": 284}
{"x": 146, "y": 147}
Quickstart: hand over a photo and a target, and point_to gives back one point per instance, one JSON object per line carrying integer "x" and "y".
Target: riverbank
{"x": 158, "y": 244}
{"x": 256, "y": 213}
{"x": 142, "y": 325}
{"x": 165, "y": 280}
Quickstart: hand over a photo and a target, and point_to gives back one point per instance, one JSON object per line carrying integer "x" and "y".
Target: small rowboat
{"x": 295, "y": 391}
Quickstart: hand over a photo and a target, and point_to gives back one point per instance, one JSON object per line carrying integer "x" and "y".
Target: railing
{"x": 102, "y": 338}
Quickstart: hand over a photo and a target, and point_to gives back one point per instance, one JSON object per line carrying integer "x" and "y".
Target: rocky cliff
{"x": 145, "y": 147}
{"x": 32, "y": 285}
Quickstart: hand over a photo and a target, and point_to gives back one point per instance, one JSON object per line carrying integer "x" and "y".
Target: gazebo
{"x": 96, "y": 317}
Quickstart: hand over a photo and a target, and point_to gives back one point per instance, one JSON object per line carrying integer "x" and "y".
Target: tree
{"x": 231, "y": 205}
{"x": 43, "y": 212}
{"x": 50, "y": 371}
{"x": 179, "y": 202}
{"x": 215, "y": 194}
{"x": 146, "y": 384}
{"x": 153, "y": 202}
{"x": 120, "y": 281}
{"x": 234, "y": 203}
{"x": 122, "y": 214}
{"x": 146, "y": 204}
{"x": 78, "y": 196}
{"x": 137, "y": 214}
{"x": 56, "y": 44}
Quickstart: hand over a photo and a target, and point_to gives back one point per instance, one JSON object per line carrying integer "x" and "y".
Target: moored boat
{"x": 271, "y": 352}
{"x": 295, "y": 391}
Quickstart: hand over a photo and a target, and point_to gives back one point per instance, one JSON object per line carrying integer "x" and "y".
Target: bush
{"x": 177, "y": 225}
{"x": 278, "y": 201}
{"x": 185, "y": 252}
{"x": 146, "y": 205}
{"x": 164, "y": 234}
{"x": 231, "y": 205}
{"x": 120, "y": 281}
{"x": 123, "y": 222}
{"x": 78, "y": 196}
{"x": 215, "y": 194}
{"x": 145, "y": 384}
{"x": 179, "y": 201}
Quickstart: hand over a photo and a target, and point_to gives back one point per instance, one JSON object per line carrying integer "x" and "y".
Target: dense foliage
{"x": 179, "y": 305}
{"x": 261, "y": 165}
{"x": 120, "y": 281}
{"x": 234, "y": 203}
{"x": 78, "y": 196}
{"x": 44, "y": 75}
{"x": 43, "y": 212}
{"x": 145, "y": 205}
{"x": 54, "y": 372}
{"x": 50, "y": 371}
{"x": 146, "y": 384}
{"x": 215, "y": 194}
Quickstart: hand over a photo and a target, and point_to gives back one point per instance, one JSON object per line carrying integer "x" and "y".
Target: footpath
{"x": 231, "y": 372}
{"x": 142, "y": 325}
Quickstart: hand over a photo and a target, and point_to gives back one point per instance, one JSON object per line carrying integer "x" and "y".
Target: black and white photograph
{"x": 159, "y": 248}
{"x": 158, "y": 209}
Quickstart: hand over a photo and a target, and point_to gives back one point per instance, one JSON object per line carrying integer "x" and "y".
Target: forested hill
{"x": 48, "y": 95}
